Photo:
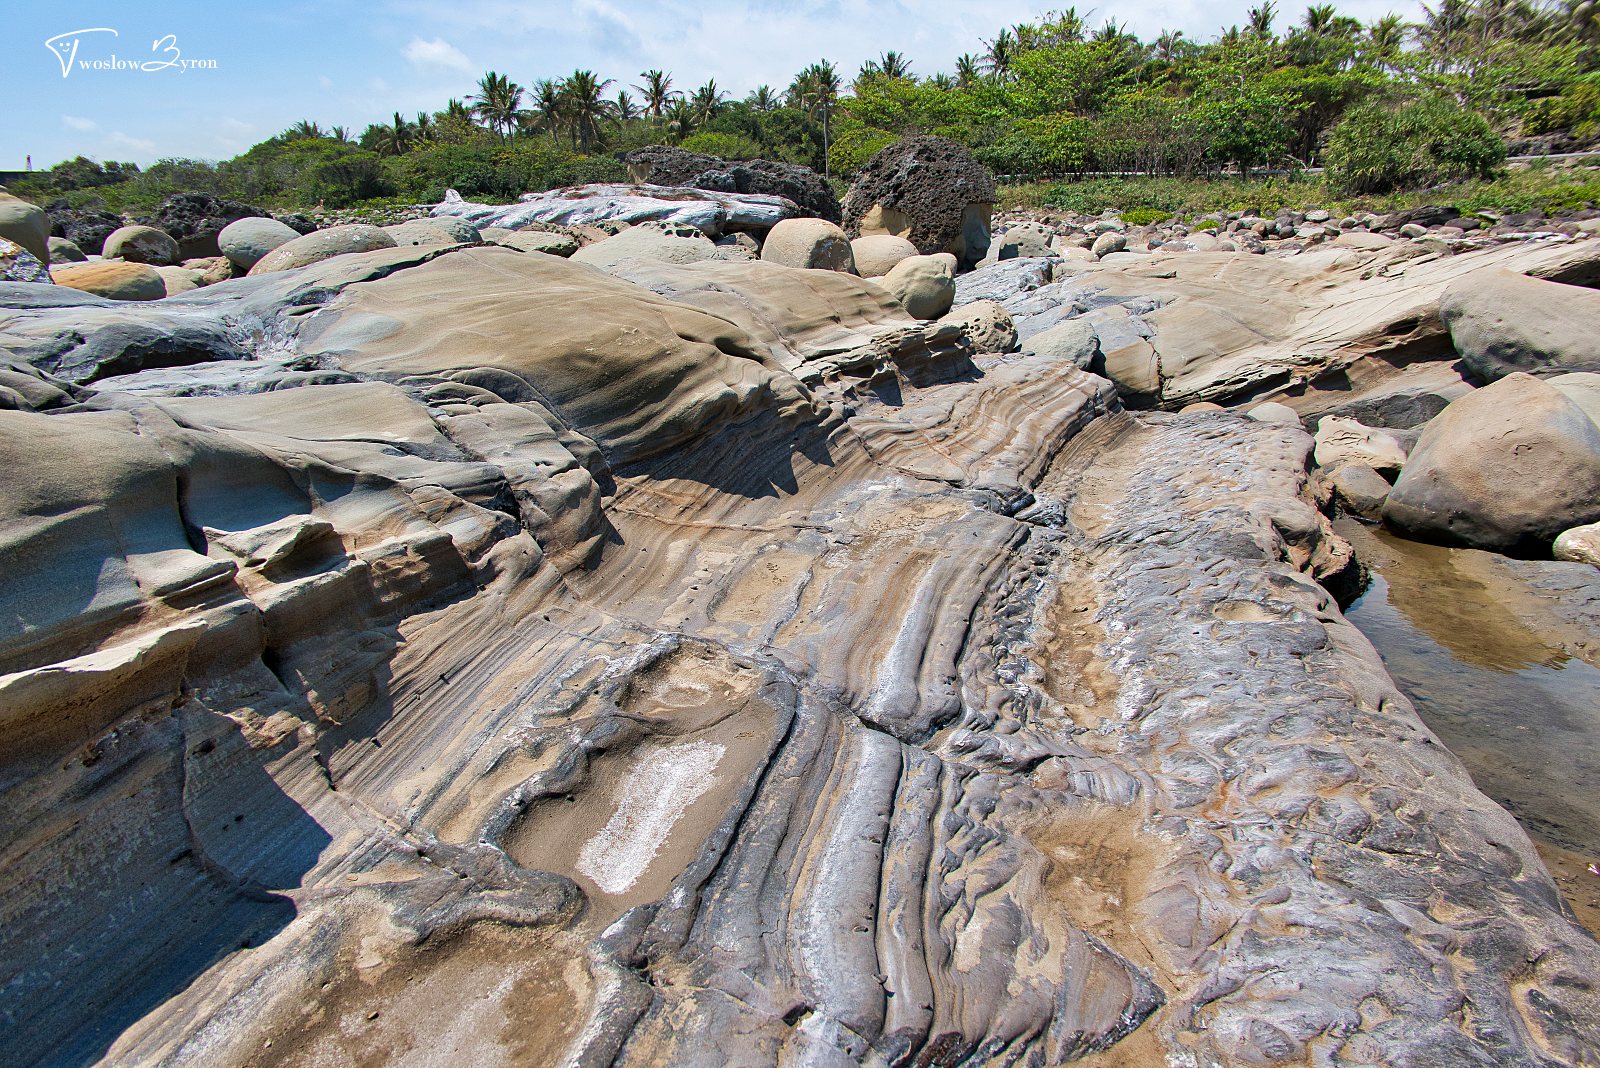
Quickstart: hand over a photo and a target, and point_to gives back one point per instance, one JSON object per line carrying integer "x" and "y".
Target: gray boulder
{"x": 63, "y": 250}
{"x": 142, "y": 244}
{"x": 246, "y": 241}
{"x": 1071, "y": 339}
{"x": 649, "y": 241}
{"x": 1359, "y": 488}
{"x": 429, "y": 233}
{"x": 1507, "y": 468}
{"x": 1502, "y": 322}
{"x": 324, "y": 244}
{"x": 27, "y": 225}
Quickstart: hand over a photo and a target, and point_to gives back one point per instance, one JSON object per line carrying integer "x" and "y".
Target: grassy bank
{"x": 1545, "y": 189}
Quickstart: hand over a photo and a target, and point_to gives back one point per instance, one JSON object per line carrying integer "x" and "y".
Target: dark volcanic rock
{"x": 300, "y": 224}
{"x": 86, "y": 227}
{"x": 928, "y": 187}
{"x": 664, "y": 165}
{"x": 195, "y": 219}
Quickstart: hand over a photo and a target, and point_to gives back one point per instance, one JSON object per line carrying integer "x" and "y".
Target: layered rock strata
{"x": 464, "y": 653}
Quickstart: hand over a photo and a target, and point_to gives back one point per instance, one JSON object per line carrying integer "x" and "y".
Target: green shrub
{"x": 1145, "y": 216}
{"x": 854, "y": 144}
{"x": 1577, "y": 110}
{"x": 1378, "y": 147}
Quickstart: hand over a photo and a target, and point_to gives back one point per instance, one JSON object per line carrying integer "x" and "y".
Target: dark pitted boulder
{"x": 665, "y": 165}
{"x": 927, "y": 190}
{"x": 300, "y": 224}
{"x": 87, "y": 227}
{"x": 195, "y": 219}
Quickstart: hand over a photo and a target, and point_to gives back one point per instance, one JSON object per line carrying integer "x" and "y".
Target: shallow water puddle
{"x": 1520, "y": 713}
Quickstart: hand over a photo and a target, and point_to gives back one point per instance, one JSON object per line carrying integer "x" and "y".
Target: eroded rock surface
{"x": 704, "y": 663}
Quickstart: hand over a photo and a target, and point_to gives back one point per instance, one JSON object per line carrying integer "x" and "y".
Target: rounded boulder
{"x": 1507, "y": 468}
{"x": 142, "y": 244}
{"x": 65, "y": 250}
{"x": 877, "y": 254}
{"x": 811, "y": 244}
{"x": 924, "y": 285}
{"x": 322, "y": 245}
{"x": 113, "y": 279}
{"x": 246, "y": 241}
{"x": 428, "y": 233}
{"x": 27, "y": 225}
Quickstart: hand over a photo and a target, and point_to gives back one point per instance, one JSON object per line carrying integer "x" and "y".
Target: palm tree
{"x": 1319, "y": 19}
{"x": 586, "y": 107}
{"x": 424, "y": 130}
{"x": 941, "y": 81}
{"x": 394, "y": 139}
{"x": 304, "y": 130}
{"x": 340, "y": 133}
{"x": 814, "y": 91}
{"x": 1384, "y": 40}
{"x": 549, "y": 106}
{"x": 623, "y": 109}
{"x": 679, "y": 120}
{"x": 1260, "y": 19}
{"x": 498, "y": 103}
{"x": 456, "y": 111}
{"x": 968, "y": 69}
{"x": 763, "y": 99}
{"x": 894, "y": 65}
{"x": 1001, "y": 51}
{"x": 657, "y": 92}
{"x": 1168, "y": 45}
{"x": 707, "y": 101}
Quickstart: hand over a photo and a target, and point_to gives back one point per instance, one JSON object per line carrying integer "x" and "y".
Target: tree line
{"x": 1383, "y": 105}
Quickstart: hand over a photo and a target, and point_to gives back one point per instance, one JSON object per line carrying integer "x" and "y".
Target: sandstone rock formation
{"x": 444, "y": 230}
{"x": 927, "y": 190}
{"x": 461, "y": 652}
{"x": 17, "y": 264}
{"x": 1331, "y": 331}
{"x": 64, "y": 251}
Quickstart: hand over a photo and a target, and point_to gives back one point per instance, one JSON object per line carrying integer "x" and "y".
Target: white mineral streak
{"x": 656, "y": 792}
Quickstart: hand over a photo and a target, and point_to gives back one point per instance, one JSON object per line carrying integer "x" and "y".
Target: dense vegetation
{"x": 1384, "y": 107}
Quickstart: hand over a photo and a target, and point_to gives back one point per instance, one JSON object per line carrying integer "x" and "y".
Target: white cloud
{"x": 436, "y": 53}
{"x": 73, "y": 122}
{"x": 122, "y": 142}
{"x": 325, "y": 81}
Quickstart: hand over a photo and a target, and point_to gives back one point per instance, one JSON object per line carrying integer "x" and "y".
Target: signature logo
{"x": 65, "y": 47}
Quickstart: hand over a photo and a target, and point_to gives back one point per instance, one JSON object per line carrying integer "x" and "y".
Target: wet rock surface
{"x": 466, "y": 649}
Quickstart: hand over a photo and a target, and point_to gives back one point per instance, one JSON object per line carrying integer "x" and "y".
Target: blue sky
{"x": 341, "y": 62}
